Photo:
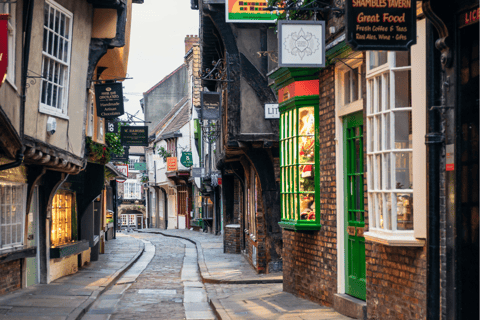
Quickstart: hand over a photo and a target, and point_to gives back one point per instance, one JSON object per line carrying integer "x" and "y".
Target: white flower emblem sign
{"x": 301, "y": 43}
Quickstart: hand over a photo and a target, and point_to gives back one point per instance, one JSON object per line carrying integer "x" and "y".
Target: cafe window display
{"x": 299, "y": 168}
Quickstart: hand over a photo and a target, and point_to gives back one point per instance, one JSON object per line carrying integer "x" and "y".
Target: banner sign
{"x": 109, "y": 100}
{"x": 134, "y": 136}
{"x": 172, "y": 164}
{"x": 140, "y": 166}
{"x": 3, "y": 47}
{"x": 249, "y": 11}
{"x": 271, "y": 111}
{"x": 112, "y": 126}
{"x": 211, "y": 103}
{"x": 301, "y": 44}
{"x": 385, "y": 25}
{"x": 186, "y": 159}
{"x": 123, "y": 157}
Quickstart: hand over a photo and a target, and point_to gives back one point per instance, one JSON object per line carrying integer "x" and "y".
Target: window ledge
{"x": 69, "y": 249}
{"x": 17, "y": 253}
{"x": 53, "y": 113}
{"x": 394, "y": 239}
{"x": 298, "y": 226}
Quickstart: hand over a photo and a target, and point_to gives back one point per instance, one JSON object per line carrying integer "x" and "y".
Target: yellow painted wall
{"x": 63, "y": 267}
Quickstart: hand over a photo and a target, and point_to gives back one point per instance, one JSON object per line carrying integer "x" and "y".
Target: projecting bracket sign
{"x": 383, "y": 25}
{"x": 211, "y": 103}
{"x": 134, "y": 136}
{"x": 109, "y": 100}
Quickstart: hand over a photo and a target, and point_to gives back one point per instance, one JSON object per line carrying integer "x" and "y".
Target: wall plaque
{"x": 134, "y": 136}
{"x": 211, "y": 103}
{"x": 385, "y": 25}
{"x": 109, "y": 100}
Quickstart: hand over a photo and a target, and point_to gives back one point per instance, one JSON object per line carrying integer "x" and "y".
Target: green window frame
{"x": 300, "y": 164}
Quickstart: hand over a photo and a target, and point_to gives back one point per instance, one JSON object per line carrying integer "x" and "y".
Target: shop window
{"x": 62, "y": 208}
{"x": 13, "y": 197}
{"x": 132, "y": 190}
{"x": 56, "y": 52}
{"x": 299, "y": 165}
{"x": 9, "y": 8}
{"x": 124, "y": 219}
{"x": 390, "y": 148}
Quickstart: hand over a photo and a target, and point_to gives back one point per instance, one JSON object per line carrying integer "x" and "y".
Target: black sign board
{"x": 121, "y": 158}
{"x": 211, "y": 103}
{"x": 112, "y": 126}
{"x": 134, "y": 136}
{"x": 109, "y": 99}
{"x": 385, "y": 25}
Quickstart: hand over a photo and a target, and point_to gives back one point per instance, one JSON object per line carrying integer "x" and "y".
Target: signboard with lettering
{"x": 123, "y": 168}
{"x": 385, "y": 25}
{"x": 211, "y": 103}
{"x": 301, "y": 44}
{"x": 186, "y": 159}
{"x": 134, "y": 136}
{"x": 172, "y": 164}
{"x": 469, "y": 17}
{"x": 271, "y": 111}
{"x": 109, "y": 100}
{"x": 249, "y": 11}
{"x": 3, "y": 47}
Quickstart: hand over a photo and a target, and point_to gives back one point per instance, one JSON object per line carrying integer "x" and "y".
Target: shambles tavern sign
{"x": 385, "y": 25}
{"x": 3, "y": 47}
{"x": 134, "y": 136}
{"x": 109, "y": 99}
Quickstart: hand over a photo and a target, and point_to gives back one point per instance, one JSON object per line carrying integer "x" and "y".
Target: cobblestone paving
{"x": 158, "y": 291}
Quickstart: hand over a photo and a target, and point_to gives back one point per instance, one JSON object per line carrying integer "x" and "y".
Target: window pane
{"x": 403, "y": 170}
{"x": 307, "y": 181}
{"x": 404, "y": 211}
{"x": 370, "y": 101}
{"x": 387, "y": 133}
{"x": 370, "y": 130}
{"x": 380, "y": 106}
{"x": 387, "y": 182}
{"x": 403, "y": 89}
{"x": 306, "y": 149}
{"x": 378, "y": 172}
{"x": 379, "y": 209}
{"x": 380, "y": 132}
{"x": 307, "y": 207}
{"x": 403, "y": 130}
{"x": 377, "y": 58}
{"x": 354, "y": 84}
{"x": 306, "y": 121}
{"x": 388, "y": 210}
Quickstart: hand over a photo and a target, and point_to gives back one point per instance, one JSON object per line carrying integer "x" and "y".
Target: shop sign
{"x": 140, "y": 166}
{"x": 172, "y": 164}
{"x": 134, "y": 136}
{"x": 186, "y": 159}
{"x": 123, "y": 168}
{"x": 249, "y": 11}
{"x": 301, "y": 44}
{"x": 112, "y": 126}
{"x": 109, "y": 100}
{"x": 470, "y": 17}
{"x": 211, "y": 103}
{"x": 3, "y": 47}
{"x": 385, "y": 25}
{"x": 198, "y": 172}
{"x": 271, "y": 111}
{"x": 123, "y": 157}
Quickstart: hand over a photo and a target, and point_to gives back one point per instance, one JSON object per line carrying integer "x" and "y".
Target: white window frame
{"x": 131, "y": 163}
{"x": 385, "y": 235}
{"x": 132, "y": 190}
{"x": 6, "y": 219}
{"x": 62, "y": 111}
{"x": 10, "y": 8}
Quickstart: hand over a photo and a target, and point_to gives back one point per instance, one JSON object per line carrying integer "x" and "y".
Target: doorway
{"x": 32, "y": 264}
{"x": 355, "y": 267}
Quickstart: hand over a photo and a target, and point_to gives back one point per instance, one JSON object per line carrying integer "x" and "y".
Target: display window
{"x": 299, "y": 174}
{"x": 62, "y": 207}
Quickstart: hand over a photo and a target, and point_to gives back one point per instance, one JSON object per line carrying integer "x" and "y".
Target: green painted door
{"x": 354, "y": 205}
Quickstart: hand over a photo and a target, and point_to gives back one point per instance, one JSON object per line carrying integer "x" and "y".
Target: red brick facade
{"x": 11, "y": 275}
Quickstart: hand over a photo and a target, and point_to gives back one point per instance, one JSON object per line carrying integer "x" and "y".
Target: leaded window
{"x": 57, "y": 38}
{"x": 299, "y": 165}
{"x": 13, "y": 197}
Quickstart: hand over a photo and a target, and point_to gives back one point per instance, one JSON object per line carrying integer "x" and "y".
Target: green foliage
{"x": 102, "y": 153}
{"x": 162, "y": 152}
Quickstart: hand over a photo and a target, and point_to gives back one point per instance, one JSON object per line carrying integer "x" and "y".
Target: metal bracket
{"x": 434, "y": 138}
{"x": 220, "y": 70}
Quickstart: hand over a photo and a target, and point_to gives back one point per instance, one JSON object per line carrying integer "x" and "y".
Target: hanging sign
{"x": 172, "y": 164}
{"x": 249, "y": 11}
{"x": 198, "y": 172}
{"x": 186, "y": 159}
{"x": 3, "y": 47}
{"x": 109, "y": 100}
{"x": 123, "y": 157}
{"x": 112, "y": 126}
{"x": 385, "y": 25}
{"x": 140, "y": 166}
{"x": 211, "y": 103}
{"x": 134, "y": 136}
{"x": 301, "y": 44}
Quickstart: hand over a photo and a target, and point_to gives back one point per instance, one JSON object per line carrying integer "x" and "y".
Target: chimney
{"x": 190, "y": 40}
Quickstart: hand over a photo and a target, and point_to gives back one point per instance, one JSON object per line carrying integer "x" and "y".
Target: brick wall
{"x": 310, "y": 258}
{"x": 396, "y": 282}
{"x": 11, "y": 275}
{"x": 232, "y": 240}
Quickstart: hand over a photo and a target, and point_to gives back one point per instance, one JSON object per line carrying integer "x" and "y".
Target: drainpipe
{"x": 28, "y": 6}
{"x": 434, "y": 141}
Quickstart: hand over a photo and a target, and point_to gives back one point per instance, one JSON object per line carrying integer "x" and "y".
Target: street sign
{"x": 172, "y": 164}
{"x": 109, "y": 100}
{"x": 134, "y": 136}
{"x": 186, "y": 159}
{"x": 271, "y": 111}
{"x": 381, "y": 25}
{"x": 301, "y": 44}
{"x": 211, "y": 103}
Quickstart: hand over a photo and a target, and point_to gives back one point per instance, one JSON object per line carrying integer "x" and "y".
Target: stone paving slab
{"x": 69, "y": 296}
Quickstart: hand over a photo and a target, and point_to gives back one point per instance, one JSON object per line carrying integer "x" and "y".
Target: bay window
{"x": 57, "y": 37}
{"x": 13, "y": 197}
